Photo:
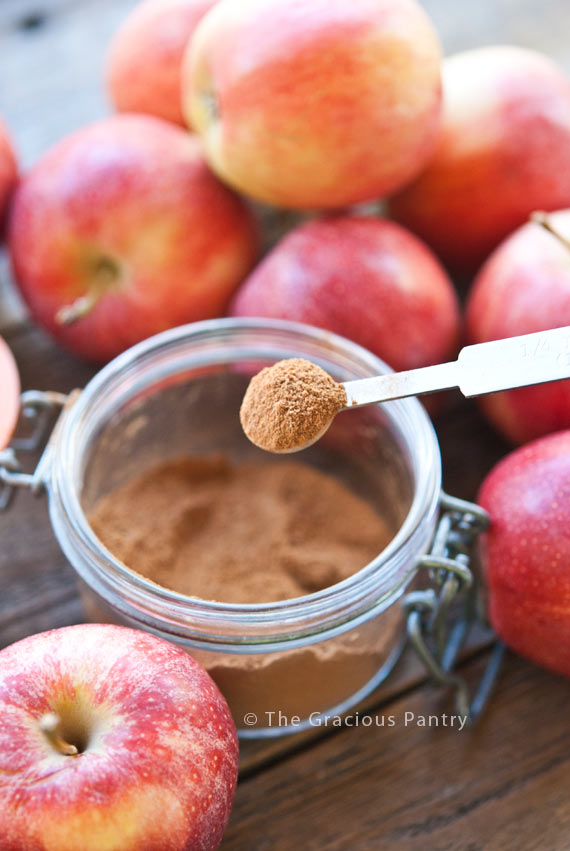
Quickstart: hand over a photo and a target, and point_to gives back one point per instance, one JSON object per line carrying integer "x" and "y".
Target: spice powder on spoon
{"x": 289, "y": 405}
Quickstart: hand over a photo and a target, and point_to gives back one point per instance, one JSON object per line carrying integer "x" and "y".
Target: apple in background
{"x": 9, "y": 395}
{"x": 8, "y": 173}
{"x": 121, "y": 231}
{"x": 526, "y": 552}
{"x": 367, "y": 279}
{"x": 144, "y": 61}
{"x": 111, "y": 739}
{"x": 503, "y": 153}
{"x": 525, "y": 287}
{"x": 314, "y": 103}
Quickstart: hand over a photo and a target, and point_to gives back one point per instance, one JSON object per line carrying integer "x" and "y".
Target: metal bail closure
{"x": 38, "y": 409}
{"x": 435, "y": 634}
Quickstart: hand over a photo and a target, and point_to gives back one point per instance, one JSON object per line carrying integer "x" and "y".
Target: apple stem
{"x": 80, "y": 308}
{"x": 544, "y": 221}
{"x": 50, "y": 727}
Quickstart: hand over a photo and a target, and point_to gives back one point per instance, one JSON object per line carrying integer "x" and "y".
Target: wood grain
{"x": 38, "y": 586}
{"x": 500, "y": 787}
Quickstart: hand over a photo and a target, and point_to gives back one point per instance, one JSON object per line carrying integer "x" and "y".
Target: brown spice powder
{"x": 246, "y": 533}
{"x": 297, "y": 682}
{"x": 288, "y": 405}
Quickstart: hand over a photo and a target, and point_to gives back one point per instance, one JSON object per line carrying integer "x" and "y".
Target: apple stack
{"x": 151, "y": 218}
{"x": 144, "y": 220}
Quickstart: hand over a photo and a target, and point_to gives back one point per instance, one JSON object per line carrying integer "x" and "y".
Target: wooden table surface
{"x": 500, "y": 786}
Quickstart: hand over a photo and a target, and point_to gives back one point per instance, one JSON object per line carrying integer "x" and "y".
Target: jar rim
{"x": 79, "y": 541}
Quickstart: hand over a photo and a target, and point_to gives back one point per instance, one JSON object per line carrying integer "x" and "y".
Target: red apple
{"x": 111, "y": 739}
{"x": 503, "y": 153}
{"x": 121, "y": 231}
{"x": 527, "y": 550}
{"x": 145, "y": 58}
{"x": 314, "y": 103}
{"x": 525, "y": 287}
{"x": 9, "y": 395}
{"x": 365, "y": 278}
{"x": 8, "y": 172}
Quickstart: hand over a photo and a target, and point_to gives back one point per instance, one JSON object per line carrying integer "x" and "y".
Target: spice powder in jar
{"x": 257, "y": 532}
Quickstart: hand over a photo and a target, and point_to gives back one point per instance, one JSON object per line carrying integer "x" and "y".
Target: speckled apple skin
{"x": 315, "y": 104}
{"x": 134, "y": 190}
{"x": 524, "y": 287}
{"x": 502, "y": 153}
{"x": 526, "y": 552}
{"x": 143, "y": 66}
{"x": 160, "y": 768}
{"x": 365, "y": 278}
{"x": 9, "y": 394}
{"x": 8, "y": 173}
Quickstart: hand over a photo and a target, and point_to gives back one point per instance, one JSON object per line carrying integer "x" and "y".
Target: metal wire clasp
{"x": 37, "y": 408}
{"x": 434, "y": 641}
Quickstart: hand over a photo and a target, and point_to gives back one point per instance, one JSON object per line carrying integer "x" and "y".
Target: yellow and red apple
{"x": 526, "y": 552}
{"x": 9, "y": 394}
{"x": 122, "y": 231}
{"x": 365, "y": 278}
{"x": 314, "y": 103}
{"x": 503, "y": 152}
{"x": 525, "y": 287}
{"x": 8, "y": 173}
{"x": 143, "y": 66}
{"x": 111, "y": 739}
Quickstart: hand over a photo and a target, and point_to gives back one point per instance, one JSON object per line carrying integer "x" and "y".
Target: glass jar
{"x": 282, "y": 664}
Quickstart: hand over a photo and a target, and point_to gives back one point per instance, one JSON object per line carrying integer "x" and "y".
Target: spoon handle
{"x": 482, "y": 368}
